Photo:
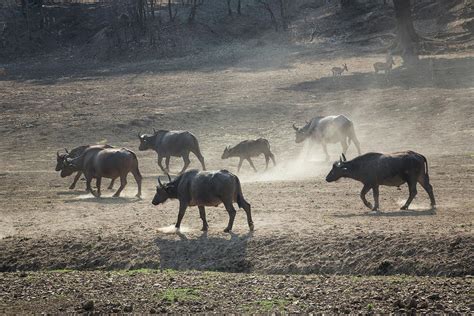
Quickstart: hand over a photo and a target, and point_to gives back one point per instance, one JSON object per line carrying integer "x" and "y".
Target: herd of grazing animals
{"x": 211, "y": 188}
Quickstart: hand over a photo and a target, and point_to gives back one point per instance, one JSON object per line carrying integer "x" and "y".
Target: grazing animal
{"x": 74, "y": 153}
{"x": 107, "y": 163}
{"x": 248, "y": 149}
{"x": 328, "y": 130}
{"x": 386, "y": 67}
{"x": 204, "y": 188}
{"x": 172, "y": 143}
{"x": 337, "y": 71}
{"x": 375, "y": 169}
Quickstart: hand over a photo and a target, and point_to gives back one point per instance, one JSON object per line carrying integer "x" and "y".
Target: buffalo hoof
{"x": 227, "y": 230}
{"x": 404, "y": 208}
{"x": 204, "y": 229}
{"x": 138, "y": 196}
{"x": 72, "y": 187}
{"x": 116, "y": 195}
{"x": 251, "y": 227}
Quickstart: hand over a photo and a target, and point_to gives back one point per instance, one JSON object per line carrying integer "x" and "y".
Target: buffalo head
{"x": 164, "y": 192}
{"x": 301, "y": 133}
{"x": 146, "y": 141}
{"x": 339, "y": 170}
{"x": 226, "y": 153}
{"x": 69, "y": 167}
{"x": 60, "y": 158}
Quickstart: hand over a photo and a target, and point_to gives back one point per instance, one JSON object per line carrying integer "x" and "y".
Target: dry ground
{"x": 303, "y": 225}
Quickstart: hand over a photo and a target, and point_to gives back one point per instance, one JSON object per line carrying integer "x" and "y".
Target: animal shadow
{"x": 397, "y": 213}
{"x": 104, "y": 200}
{"x": 206, "y": 252}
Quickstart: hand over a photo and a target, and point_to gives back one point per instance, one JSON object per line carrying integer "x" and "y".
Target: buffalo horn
{"x": 294, "y": 127}
{"x": 169, "y": 178}
{"x": 344, "y": 157}
{"x": 154, "y": 130}
{"x": 159, "y": 182}
{"x": 65, "y": 149}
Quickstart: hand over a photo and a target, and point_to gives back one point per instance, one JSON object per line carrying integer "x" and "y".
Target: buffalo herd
{"x": 211, "y": 188}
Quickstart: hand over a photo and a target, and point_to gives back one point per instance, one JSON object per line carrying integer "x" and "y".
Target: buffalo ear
{"x": 344, "y": 157}
{"x": 57, "y": 154}
{"x": 154, "y": 130}
{"x": 294, "y": 127}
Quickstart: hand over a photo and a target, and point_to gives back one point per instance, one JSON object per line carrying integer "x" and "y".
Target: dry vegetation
{"x": 315, "y": 248}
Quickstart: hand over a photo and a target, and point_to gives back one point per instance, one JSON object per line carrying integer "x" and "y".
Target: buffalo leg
{"x": 123, "y": 183}
{"x": 375, "y": 191}
{"x": 251, "y": 164}
{"x": 76, "y": 178}
{"x": 202, "y": 214}
{"x": 272, "y": 157}
{"x": 240, "y": 164}
{"x": 138, "y": 178}
{"x": 97, "y": 184}
{"x": 88, "y": 185}
{"x": 246, "y": 206}
{"x": 201, "y": 159}
{"x": 364, "y": 191}
{"x": 111, "y": 185}
{"x": 344, "y": 146}
{"x": 356, "y": 143}
{"x": 160, "y": 160}
{"x": 182, "y": 210}
{"x": 186, "y": 162}
{"x": 167, "y": 163}
{"x": 325, "y": 150}
{"x": 231, "y": 210}
{"x": 424, "y": 181}
{"x": 267, "y": 159}
{"x": 412, "y": 189}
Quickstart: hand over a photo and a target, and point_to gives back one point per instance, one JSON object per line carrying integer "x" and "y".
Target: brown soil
{"x": 303, "y": 224}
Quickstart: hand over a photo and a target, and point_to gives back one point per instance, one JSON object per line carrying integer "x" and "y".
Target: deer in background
{"x": 386, "y": 67}
{"x": 337, "y": 71}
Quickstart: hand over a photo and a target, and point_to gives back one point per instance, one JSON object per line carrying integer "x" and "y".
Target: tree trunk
{"x": 407, "y": 37}
{"x": 239, "y": 7}
{"x": 229, "y": 9}
{"x": 170, "y": 11}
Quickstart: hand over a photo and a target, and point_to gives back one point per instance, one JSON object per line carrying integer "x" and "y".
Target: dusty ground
{"x": 303, "y": 225}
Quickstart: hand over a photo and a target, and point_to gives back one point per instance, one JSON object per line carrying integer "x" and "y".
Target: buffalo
{"x": 107, "y": 163}
{"x": 328, "y": 130}
{"x": 250, "y": 148}
{"x": 375, "y": 169}
{"x": 204, "y": 188}
{"x": 74, "y": 153}
{"x": 172, "y": 143}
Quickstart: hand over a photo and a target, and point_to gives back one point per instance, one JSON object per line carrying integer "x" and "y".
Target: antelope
{"x": 337, "y": 71}
{"x": 386, "y": 67}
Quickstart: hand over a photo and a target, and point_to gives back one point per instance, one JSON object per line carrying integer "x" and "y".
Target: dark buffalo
{"x": 328, "y": 130}
{"x": 204, "y": 188}
{"x": 375, "y": 169}
{"x": 172, "y": 144}
{"x": 107, "y": 163}
{"x": 74, "y": 153}
{"x": 248, "y": 149}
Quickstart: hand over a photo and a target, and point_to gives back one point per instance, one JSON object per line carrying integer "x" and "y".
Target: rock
{"x": 434, "y": 296}
{"x": 88, "y": 305}
{"x": 128, "y": 308}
